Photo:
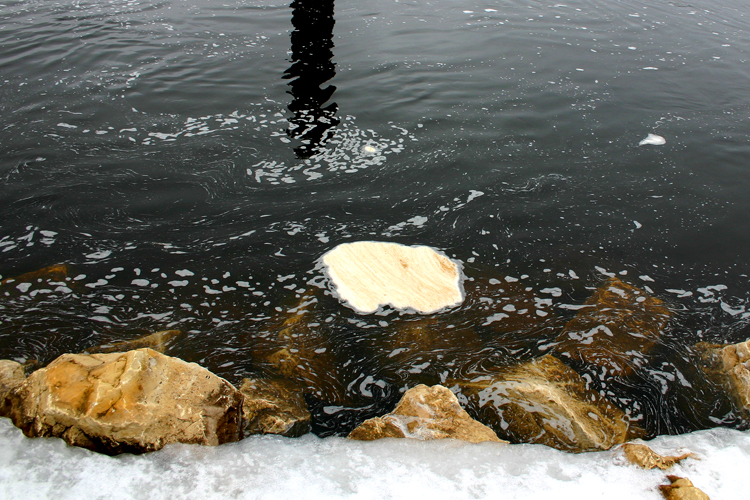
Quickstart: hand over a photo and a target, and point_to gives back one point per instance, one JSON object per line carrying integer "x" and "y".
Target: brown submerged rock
{"x": 158, "y": 341}
{"x": 617, "y": 327}
{"x": 545, "y": 402}
{"x": 48, "y": 279}
{"x": 681, "y": 489}
{"x": 426, "y": 413}
{"x": 274, "y": 407}
{"x": 643, "y": 456}
{"x": 133, "y": 402}
{"x": 507, "y": 306}
{"x": 303, "y": 355}
{"x": 12, "y": 375}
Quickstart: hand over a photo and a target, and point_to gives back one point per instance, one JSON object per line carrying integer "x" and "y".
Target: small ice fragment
{"x": 653, "y": 139}
{"x": 638, "y": 225}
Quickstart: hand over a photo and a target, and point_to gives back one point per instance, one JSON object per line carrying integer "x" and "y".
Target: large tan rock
{"x": 727, "y": 367}
{"x": 545, "y": 402}
{"x": 681, "y": 488}
{"x": 643, "y": 456}
{"x": 615, "y": 329}
{"x": 274, "y": 407}
{"x": 12, "y": 375}
{"x": 135, "y": 402}
{"x": 366, "y": 275}
{"x": 735, "y": 363}
{"x": 426, "y": 413}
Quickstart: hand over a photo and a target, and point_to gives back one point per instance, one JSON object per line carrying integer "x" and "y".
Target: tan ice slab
{"x": 369, "y": 274}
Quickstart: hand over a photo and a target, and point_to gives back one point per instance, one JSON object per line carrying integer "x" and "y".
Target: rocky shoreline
{"x": 141, "y": 400}
{"x": 130, "y": 397}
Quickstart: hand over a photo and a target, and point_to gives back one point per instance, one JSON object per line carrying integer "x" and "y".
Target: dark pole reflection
{"x": 312, "y": 44}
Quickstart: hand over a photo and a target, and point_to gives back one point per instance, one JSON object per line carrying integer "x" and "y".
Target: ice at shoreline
{"x": 309, "y": 467}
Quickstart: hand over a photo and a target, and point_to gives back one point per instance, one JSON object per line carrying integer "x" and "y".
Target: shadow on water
{"x": 312, "y": 67}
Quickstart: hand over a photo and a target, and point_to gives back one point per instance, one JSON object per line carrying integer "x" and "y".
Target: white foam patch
{"x": 335, "y": 468}
{"x": 653, "y": 140}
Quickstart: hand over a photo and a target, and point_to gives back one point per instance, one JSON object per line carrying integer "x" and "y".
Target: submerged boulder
{"x": 40, "y": 282}
{"x": 426, "y": 413}
{"x": 158, "y": 341}
{"x": 681, "y": 488}
{"x": 134, "y": 402}
{"x": 643, "y": 456}
{"x": 297, "y": 349}
{"x": 274, "y": 407}
{"x": 615, "y": 329}
{"x": 12, "y": 375}
{"x": 545, "y": 402}
{"x": 366, "y": 275}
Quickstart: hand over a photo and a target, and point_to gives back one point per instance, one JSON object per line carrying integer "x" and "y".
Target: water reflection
{"x": 312, "y": 44}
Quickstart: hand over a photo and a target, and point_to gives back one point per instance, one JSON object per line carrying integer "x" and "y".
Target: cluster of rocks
{"x": 131, "y": 397}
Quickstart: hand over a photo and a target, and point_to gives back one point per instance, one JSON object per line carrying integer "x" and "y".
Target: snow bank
{"x": 332, "y": 468}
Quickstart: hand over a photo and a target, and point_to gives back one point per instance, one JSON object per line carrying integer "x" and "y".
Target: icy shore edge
{"x": 271, "y": 467}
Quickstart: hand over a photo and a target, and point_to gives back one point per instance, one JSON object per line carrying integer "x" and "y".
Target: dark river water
{"x": 190, "y": 161}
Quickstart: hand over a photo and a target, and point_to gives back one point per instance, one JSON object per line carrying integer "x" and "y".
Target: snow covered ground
{"x": 281, "y": 468}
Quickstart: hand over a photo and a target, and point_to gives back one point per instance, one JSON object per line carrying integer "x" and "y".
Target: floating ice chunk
{"x": 366, "y": 275}
{"x": 653, "y": 140}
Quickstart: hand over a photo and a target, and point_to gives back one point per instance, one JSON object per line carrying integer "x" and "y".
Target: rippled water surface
{"x": 189, "y": 162}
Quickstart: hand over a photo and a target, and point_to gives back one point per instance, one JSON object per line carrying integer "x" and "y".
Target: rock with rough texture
{"x": 615, "y": 329}
{"x": 133, "y": 402}
{"x": 274, "y": 407}
{"x": 735, "y": 363}
{"x": 158, "y": 341}
{"x": 643, "y": 456}
{"x": 12, "y": 375}
{"x": 426, "y": 413}
{"x": 366, "y": 275}
{"x": 681, "y": 489}
{"x": 545, "y": 402}
{"x": 728, "y": 367}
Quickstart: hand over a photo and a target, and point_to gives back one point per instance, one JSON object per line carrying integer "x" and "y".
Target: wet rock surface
{"x": 133, "y": 402}
{"x": 615, "y": 329}
{"x": 274, "y": 407}
{"x": 643, "y": 456}
{"x": 426, "y": 413}
{"x": 546, "y": 402}
{"x": 681, "y": 488}
{"x": 728, "y": 368}
{"x": 735, "y": 363}
{"x": 12, "y": 375}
